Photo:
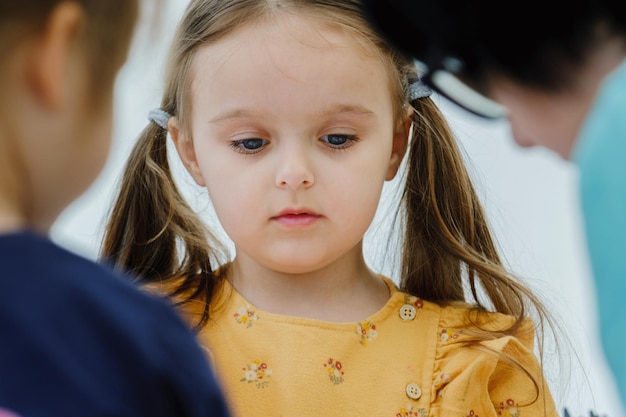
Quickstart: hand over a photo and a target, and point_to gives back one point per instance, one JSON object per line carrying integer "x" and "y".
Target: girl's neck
{"x": 344, "y": 291}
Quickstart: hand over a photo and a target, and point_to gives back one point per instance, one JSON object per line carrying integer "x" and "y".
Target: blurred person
{"x": 77, "y": 339}
{"x": 559, "y": 75}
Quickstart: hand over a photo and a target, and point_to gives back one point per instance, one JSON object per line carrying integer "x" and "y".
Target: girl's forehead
{"x": 303, "y": 34}
{"x": 289, "y": 66}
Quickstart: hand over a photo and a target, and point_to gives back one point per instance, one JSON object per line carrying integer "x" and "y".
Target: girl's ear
{"x": 48, "y": 66}
{"x": 186, "y": 152}
{"x": 400, "y": 144}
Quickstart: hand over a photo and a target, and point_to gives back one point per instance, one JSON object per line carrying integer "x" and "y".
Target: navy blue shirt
{"x": 76, "y": 339}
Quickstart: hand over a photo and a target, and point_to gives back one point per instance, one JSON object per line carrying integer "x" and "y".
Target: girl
{"x": 293, "y": 114}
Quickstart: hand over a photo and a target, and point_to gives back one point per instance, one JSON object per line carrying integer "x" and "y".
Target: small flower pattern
{"x": 448, "y": 335}
{"x": 441, "y": 380}
{"x": 409, "y": 411}
{"x": 335, "y": 372}
{"x": 366, "y": 331}
{"x": 509, "y": 408}
{"x": 413, "y": 300}
{"x": 256, "y": 373}
{"x": 246, "y": 316}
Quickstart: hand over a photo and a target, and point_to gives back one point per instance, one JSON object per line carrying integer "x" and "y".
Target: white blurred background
{"x": 530, "y": 196}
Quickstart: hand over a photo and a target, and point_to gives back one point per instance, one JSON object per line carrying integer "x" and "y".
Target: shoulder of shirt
{"x": 459, "y": 317}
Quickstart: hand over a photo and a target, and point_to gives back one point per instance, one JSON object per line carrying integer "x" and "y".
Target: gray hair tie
{"x": 159, "y": 117}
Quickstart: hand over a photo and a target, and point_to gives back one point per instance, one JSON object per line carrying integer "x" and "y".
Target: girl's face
{"x": 292, "y": 131}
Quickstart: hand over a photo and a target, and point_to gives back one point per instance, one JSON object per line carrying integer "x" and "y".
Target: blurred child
{"x": 76, "y": 339}
{"x": 293, "y": 114}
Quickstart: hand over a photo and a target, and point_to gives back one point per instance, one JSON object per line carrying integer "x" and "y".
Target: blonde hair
{"x": 446, "y": 243}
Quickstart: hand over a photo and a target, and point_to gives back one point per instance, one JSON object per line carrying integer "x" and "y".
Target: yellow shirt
{"x": 407, "y": 359}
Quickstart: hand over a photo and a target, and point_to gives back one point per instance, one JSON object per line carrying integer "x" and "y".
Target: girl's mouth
{"x": 296, "y": 218}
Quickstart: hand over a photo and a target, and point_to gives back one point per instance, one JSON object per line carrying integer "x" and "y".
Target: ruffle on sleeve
{"x": 493, "y": 378}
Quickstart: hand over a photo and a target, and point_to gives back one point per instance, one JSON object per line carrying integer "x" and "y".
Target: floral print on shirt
{"x": 448, "y": 335}
{"x": 409, "y": 411}
{"x": 440, "y": 382}
{"x": 335, "y": 372}
{"x": 414, "y": 301}
{"x": 257, "y": 373}
{"x": 509, "y": 408}
{"x": 246, "y": 315}
{"x": 366, "y": 331}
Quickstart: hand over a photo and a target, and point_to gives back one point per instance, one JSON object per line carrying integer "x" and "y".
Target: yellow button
{"x": 407, "y": 312}
{"x": 413, "y": 391}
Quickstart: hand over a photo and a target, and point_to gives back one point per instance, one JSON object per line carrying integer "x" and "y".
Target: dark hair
{"x": 535, "y": 43}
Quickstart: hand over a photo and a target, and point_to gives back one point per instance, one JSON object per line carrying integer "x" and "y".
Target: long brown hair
{"x": 448, "y": 253}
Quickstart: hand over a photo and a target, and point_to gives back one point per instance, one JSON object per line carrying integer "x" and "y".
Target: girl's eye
{"x": 339, "y": 141}
{"x": 249, "y": 145}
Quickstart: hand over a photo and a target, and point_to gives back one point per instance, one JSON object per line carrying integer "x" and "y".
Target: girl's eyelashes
{"x": 255, "y": 145}
{"x": 338, "y": 141}
{"x": 249, "y": 146}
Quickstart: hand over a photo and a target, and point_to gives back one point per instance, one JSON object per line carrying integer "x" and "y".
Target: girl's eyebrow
{"x": 238, "y": 113}
{"x": 340, "y": 109}
{"x": 350, "y": 109}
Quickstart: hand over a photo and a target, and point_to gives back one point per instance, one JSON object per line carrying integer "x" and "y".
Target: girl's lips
{"x": 295, "y": 218}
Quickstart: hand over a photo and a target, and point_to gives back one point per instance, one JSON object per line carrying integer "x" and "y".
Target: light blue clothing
{"x": 601, "y": 157}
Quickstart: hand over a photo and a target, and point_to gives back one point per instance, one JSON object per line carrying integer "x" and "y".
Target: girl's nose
{"x": 295, "y": 170}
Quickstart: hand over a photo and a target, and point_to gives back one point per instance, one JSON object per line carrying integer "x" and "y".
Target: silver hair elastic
{"x": 418, "y": 89}
{"x": 159, "y": 117}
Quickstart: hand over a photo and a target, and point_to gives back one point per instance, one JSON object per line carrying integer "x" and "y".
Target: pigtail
{"x": 448, "y": 248}
{"x": 152, "y": 232}
{"x": 446, "y": 235}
